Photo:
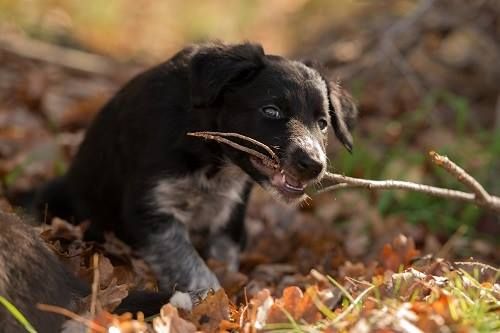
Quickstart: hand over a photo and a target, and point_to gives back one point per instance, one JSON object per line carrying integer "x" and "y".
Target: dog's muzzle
{"x": 299, "y": 169}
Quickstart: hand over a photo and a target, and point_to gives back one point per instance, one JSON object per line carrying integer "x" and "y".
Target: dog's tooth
{"x": 278, "y": 179}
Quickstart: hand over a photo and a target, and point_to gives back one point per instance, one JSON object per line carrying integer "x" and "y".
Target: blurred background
{"x": 425, "y": 74}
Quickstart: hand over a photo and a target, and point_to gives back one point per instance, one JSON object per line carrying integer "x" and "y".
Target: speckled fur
{"x": 200, "y": 201}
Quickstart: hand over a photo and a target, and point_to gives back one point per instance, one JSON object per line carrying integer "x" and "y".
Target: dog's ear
{"x": 343, "y": 113}
{"x": 343, "y": 110}
{"x": 216, "y": 67}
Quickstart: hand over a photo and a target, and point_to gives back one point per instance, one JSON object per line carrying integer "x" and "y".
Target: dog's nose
{"x": 307, "y": 165}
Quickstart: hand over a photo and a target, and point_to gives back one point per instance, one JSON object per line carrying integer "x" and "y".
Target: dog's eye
{"x": 271, "y": 111}
{"x": 323, "y": 124}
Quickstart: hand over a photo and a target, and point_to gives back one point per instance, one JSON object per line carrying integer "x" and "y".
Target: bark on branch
{"x": 479, "y": 195}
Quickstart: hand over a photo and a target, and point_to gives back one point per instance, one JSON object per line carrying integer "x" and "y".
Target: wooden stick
{"x": 273, "y": 162}
{"x": 479, "y": 196}
{"x": 461, "y": 175}
{"x": 58, "y": 55}
{"x": 95, "y": 285}
{"x": 70, "y": 314}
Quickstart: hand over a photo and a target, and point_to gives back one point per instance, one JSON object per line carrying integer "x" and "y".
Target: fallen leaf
{"x": 169, "y": 322}
{"x": 399, "y": 254}
{"x": 209, "y": 314}
{"x": 299, "y": 306}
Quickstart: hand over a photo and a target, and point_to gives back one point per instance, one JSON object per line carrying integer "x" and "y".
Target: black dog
{"x": 139, "y": 174}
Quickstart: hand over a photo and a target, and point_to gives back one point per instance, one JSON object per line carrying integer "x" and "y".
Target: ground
{"x": 425, "y": 78}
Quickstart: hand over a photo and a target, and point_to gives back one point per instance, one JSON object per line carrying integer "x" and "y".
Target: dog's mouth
{"x": 281, "y": 180}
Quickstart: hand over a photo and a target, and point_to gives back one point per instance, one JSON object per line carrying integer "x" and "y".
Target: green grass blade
{"x": 17, "y": 314}
{"x": 353, "y": 305}
{"x": 342, "y": 289}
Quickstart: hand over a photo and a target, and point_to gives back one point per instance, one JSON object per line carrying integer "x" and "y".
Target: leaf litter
{"x": 329, "y": 266}
{"x": 399, "y": 292}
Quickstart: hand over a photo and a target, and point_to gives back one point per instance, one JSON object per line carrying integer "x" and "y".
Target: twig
{"x": 351, "y": 182}
{"x": 461, "y": 175}
{"x": 57, "y": 55}
{"x": 479, "y": 264}
{"x": 273, "y": 161}
{"x": 497, "y": 115}
{"x": 70, "y": 314}
{"x": 479, "y": 196}
{"x": 95, "y": 285}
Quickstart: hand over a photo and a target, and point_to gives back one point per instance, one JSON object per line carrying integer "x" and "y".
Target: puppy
{"x": 176, "y": 198}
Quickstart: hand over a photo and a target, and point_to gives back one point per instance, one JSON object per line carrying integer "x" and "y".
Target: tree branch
{"x": 479, "y": 195}
{"x": 60, "y": 56}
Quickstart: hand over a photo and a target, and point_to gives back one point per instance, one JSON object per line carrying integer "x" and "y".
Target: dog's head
{"x": 284, "y": 104}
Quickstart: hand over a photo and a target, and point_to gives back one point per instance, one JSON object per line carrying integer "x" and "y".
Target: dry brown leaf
{"x": 169, "y": 322}
{"x": 112, "y": 295}
{"x": 106, "y": 272}
{"x": 209, "y": 314}
{"x": 108, "y": 298}
{"x": 255, "y": 313}
{"x": 231, "y": 282}
{"x": 398, "y": 254}
{"x": 62, "y": 230}
{"x": 299, "y": 306}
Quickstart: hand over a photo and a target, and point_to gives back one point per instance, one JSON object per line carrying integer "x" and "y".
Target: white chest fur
{"x": 200, "y": 201}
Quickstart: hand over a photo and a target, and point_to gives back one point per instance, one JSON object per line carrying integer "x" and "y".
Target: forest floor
{"x": 353, "y": 260}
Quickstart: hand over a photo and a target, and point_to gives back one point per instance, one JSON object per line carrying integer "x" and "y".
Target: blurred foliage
{"x": 402, "y": 159}
{"x": 146, "y": 28}
{"x": 438, "y": 92}
{"x": 395, "y": 131}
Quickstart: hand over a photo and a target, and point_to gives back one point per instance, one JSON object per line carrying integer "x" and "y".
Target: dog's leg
{"x": 165, "y": 245}
{"x": 223, "y": 249}
{"x": 174, "y": 259}
{"x": 226, "y": 244}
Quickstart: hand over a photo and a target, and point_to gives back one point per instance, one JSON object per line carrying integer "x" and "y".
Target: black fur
{"x": 139, "y": 174}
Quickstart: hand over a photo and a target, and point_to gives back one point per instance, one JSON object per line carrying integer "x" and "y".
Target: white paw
{"x": 182, "y": 301}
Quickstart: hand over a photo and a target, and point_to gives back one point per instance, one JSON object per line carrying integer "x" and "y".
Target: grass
{"x": 11, "y": 308}
{"x": 456, "y": 300}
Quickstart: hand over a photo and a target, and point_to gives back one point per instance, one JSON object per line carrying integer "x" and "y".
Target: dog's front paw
{"x": 201, "y": 284}
{"x": 182, "y": 300}
{"x": 187, "y": 300}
